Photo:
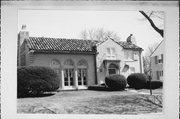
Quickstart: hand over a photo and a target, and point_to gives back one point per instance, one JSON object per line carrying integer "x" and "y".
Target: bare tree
{"x": 150, "y": 16}
{"x": 98, "y": 34}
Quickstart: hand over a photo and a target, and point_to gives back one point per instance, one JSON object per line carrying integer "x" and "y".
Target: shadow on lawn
{"x": 37, "y": 95}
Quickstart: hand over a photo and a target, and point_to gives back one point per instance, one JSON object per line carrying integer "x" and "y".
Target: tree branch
{"x": 160, "y": 31}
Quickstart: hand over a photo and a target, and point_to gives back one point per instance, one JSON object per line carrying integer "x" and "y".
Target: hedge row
{"x": 140, "y": 81}
{"x": 119, "y": 82}
{"x": 155, "y": 84}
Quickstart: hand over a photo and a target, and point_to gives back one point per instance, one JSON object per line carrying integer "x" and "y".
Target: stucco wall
{"x": 40, "y": 59}
{"x": 102, "y": 51}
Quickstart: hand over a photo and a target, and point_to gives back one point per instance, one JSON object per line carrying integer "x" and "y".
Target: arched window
{"x": 55, "y": 64}
{"x": 69, "y": 73}
{"x": 69, "y": 63}
{"x": 82, "y": 72}
{"x": 112, "y": 69}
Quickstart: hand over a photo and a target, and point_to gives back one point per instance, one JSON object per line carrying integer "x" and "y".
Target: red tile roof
{"x": 43, "y": 44}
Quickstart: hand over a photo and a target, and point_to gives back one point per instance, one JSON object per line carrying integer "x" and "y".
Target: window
{"x": 160, "y": 73}
{"x": 158, "y": 76}
{"x": 156, "y": 59}
{"x": 160, "y": 58}
{"x": 82, "y": 72}
{"x": 111, "y": 53}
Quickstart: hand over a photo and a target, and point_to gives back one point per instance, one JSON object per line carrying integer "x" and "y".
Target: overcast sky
{"x": 69, "y": 24}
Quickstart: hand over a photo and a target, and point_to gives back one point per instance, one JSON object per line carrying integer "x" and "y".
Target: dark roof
{"x": 127, "y": 45}
{"x": 43, "y": 44}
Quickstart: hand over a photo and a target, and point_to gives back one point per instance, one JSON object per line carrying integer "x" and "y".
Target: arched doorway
{"x": 112, "y": 69}
{"x": 82, "y": 72}
{"x": 69, "y": 73}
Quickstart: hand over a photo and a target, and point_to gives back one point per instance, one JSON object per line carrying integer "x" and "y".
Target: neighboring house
{"x": 118, "y": 57}
{"x": 79, "y": 63}
{"x": 157, "y": 58}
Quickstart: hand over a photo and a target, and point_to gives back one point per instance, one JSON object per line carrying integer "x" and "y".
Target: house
{"x": 157, "y": 58}
{"x": 79, "y": 63}
{"x": 118, "y": 57}
{"x": 73, "y": 60}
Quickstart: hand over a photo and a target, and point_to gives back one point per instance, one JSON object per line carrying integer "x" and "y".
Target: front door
{"x": 112, "y": 69}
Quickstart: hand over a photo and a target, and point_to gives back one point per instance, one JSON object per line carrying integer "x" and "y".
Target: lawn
{"x": 94, "y": 102}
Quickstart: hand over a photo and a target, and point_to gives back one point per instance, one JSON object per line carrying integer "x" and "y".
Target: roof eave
{"x": 138, "y": 49}
{"x": 65, "y": 52}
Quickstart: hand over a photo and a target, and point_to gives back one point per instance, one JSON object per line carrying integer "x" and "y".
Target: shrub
{"x": 116, "y": 82}
{"x": 155, "y": 84}
{"x": 137, "y": 80}
{"x": 98, "y": 88}
{"x": 34, "y": 80}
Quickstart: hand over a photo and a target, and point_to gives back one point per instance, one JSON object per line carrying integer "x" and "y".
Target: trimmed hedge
{"x": 116, "y": 82}
{"x": 98, "y": 88}
{"x": 155, "y": 84}
{"x": 34, "y": 80}
{"x": 137, "y": 80}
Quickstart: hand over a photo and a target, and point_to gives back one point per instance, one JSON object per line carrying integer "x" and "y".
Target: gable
{"x": 123, "y": 44}
{"x": 109, "y": 44}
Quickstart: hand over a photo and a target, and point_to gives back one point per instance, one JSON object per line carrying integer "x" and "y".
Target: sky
{"x": 69, "y": 24}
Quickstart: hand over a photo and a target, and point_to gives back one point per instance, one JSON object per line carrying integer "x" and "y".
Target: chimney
{"x": 129, "y": 39}
{"x": 22, "y": 35}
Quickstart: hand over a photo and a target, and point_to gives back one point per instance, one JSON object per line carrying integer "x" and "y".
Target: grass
{"x": 93, "y": 102}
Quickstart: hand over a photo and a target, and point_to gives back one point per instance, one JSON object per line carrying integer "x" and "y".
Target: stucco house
{"x": 157, "y": 58}
{"x": 118, "y": 57}
{"x": 79, "y": 63}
